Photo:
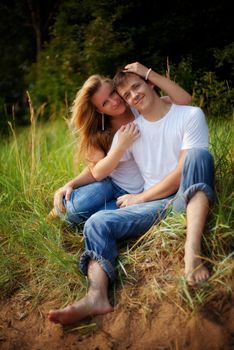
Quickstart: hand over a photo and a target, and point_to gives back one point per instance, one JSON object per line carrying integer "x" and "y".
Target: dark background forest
{"x": 50, "y": 47}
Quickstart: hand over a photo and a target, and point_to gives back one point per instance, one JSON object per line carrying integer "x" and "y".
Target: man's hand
{"x": 129, "y": 199}
{"x": 62, "y": 192}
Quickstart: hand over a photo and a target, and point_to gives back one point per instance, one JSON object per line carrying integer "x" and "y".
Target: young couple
{"x": 159, "y": 156}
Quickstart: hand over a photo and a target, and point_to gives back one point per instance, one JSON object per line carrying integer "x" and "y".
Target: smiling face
{"x": 107, "y": 100}
{"x": 136, "y": 92}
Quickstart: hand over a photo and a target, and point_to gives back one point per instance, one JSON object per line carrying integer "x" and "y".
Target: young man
{"x": 171, "y": 153}
{"x": 176, "y": 166}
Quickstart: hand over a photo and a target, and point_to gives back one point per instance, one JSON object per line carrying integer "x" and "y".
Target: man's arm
{"x": 175, "y": 92}
{"x": 164, "y": 188}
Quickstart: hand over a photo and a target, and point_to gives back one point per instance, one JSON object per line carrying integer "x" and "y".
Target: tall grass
{"x": 33, "y": 164}
{"x": 38, "y": 259}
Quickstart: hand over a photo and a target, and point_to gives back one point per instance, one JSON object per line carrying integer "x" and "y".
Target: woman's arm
{"x": 127, "y": 134}
{"x": 99, "y": 166}
{"x": 176, "y": 93}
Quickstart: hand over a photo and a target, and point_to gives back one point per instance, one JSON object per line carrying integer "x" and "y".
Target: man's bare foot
{"x": 88, "y": 306}
{"x": 195, "y": 271}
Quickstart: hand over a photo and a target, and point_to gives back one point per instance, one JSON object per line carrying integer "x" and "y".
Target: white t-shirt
{"x": 127, "y": 174}
{"x": 157, "y": 150}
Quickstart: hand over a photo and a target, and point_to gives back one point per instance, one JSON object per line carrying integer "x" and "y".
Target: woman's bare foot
{"x": 88, "y": 306}
{"x": 195, "y": 271}
{"x": 53, "y": 214}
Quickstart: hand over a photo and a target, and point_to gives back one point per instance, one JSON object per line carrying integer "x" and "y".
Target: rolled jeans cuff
{"x": 192, "y": 190}
{"x": 181, "y": 200}
{"x": 105, "y": 264}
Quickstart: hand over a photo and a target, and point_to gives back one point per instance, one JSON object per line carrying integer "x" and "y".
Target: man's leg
{"x": 194, "y": 196}
{"x": 197, "y": 211}
{"x": 102, "y": 231}
{"x": 94, "y": 303}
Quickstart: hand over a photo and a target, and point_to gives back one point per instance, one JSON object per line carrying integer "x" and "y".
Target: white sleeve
{"x": 127, "y": 155}
{"x": 196, "y": 131}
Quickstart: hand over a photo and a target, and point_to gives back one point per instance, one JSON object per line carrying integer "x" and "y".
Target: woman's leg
{"x": 89, "y": 199}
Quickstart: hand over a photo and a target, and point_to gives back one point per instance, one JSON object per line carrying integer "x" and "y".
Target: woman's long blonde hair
{"x": 87, "y": 121}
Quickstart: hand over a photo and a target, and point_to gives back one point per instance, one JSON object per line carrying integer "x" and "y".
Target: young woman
{"x": 97, "y": 113}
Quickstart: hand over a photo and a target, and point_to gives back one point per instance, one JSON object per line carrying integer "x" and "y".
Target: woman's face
{"x": 107, "y": 101}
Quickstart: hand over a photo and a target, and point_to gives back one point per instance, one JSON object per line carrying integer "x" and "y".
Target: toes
{"x": 196, "y": 278}
{"x": 190, "y": 280}
{"x": 53, "y": 316}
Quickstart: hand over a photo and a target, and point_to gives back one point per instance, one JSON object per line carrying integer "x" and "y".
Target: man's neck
{"x": 157, "y": 110}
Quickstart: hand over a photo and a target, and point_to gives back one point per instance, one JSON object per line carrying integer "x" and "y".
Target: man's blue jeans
{"x": 105, "y": 228}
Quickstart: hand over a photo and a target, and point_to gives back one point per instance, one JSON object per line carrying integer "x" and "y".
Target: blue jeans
{"x": 105, "y": 228}
{"x": 89, "y": 199}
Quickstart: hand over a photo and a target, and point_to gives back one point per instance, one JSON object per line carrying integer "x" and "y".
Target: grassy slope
{"x": 39, "y": 259}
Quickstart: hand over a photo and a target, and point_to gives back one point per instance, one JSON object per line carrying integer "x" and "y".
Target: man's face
{"x": 136, "y": 92}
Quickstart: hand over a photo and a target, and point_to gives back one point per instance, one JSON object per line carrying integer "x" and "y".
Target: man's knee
{"x": 199, "y": 155}
{"x": 199, "y": 164}
{"x": 96, "y": 223}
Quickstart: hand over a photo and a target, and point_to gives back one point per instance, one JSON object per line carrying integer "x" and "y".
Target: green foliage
{"x": 16, "y": 50}
{"x": 3, "y": 118}
{"x": 58, "y": 73}
{"x": 213, "y": 95}
{"x": 53, "y": 79}
{"x": 103, "y": 55}
{"x": 87, "y": 38}
{"x": 225, "y": 60}
{"x": 216, "y": 97}
{"x": 80, "y": 37}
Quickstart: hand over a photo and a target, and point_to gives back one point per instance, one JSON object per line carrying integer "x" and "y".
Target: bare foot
{"x": 88, "y": 306}
{"x": 53, "y": 214}
{"x": 195, "y": 271}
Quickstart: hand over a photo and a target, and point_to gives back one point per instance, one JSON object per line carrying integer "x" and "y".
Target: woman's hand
{"x": 137, "y": 68}
{"x": 175, "y": 92}
{"x": 127, "y": 134}
{"x": 60, "y": 194}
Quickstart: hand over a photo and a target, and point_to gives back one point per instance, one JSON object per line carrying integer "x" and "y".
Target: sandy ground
{"x": 166, "y": 328}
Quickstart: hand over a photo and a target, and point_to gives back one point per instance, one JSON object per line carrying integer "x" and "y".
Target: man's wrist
{"x": 142, "y": 197}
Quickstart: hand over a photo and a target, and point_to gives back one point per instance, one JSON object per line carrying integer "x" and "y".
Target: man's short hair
{"x": 121, "y": 77}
